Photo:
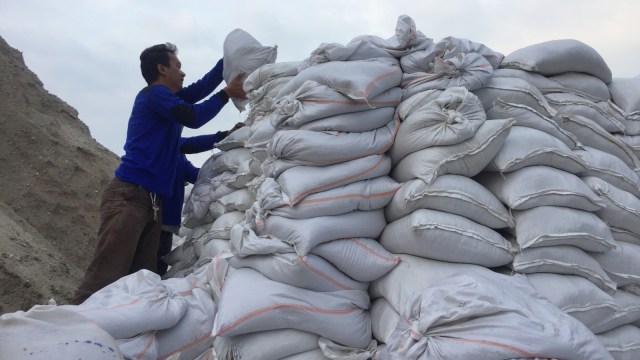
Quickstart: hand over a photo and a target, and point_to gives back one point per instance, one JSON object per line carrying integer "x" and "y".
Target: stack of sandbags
{"x": 575, "y": 211}
{"x": 311, "y": 234}
{"x": 444, "y": 139}
{"x": 150, "y": 318}
{"x": 481, "y": 314}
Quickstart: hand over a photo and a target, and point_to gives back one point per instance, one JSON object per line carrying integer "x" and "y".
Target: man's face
{"x": 172, "y": 75}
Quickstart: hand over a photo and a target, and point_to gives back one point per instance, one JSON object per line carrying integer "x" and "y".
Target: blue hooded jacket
{"x": 152, "y": 150}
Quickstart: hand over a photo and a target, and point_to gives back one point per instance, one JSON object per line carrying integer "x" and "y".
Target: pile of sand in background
{"x": 52, "y": 173}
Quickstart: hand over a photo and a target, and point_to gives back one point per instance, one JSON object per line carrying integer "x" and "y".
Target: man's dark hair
{"x": 154, "y": 55}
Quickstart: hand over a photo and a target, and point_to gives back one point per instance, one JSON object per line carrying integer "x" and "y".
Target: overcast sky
{"x": 87, "y": 52}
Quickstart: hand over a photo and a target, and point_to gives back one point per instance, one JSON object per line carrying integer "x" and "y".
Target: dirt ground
{"x": 52, "y": 173}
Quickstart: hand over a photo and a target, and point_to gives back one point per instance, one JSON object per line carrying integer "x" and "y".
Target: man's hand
{"x": 234, "y": 87}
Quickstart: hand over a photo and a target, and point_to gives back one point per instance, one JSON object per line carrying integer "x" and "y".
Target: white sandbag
{"x": 543, "y": 83}
{"x": 262, "y": 100}
{"x": 471, "y": 71}
{"x": 433, "y": 118}
{"x": 143, "y": 346}
{"x": 452, "y": 46}
{"x": 609, "y": 168}
{"x": 358, "y": 80}
{"x": 213, "y": 247}
{"x": 305, "y": 234}
{"x": 336, "y": 351}
{"x": 370, "y": 194}
{"x": 421, "y": 60}
{"x": 632, "y": 141}
{"x": 447, "y": 237}
{"x": 133, "y": 304}
{"x": 528, "y": 147}
{"x": 230, "y": 160}
{"x": 621, "y": 263}
{"x": 309, "y": 272}
{"x": 245, "y": 242}
{"x": 244, "y": 54}
{"x": 571, "y": 104}
{"x": 559, "y": 56}
{"x": 622, "y": 208}
{"x": 562, "y": 259}
{"x": 361, "y": 121}
{"x": 534, "y": 186}
{"x": 315, "y": 354}
{"x": 384, "y": 319}
{"x": 235, "y": 140}
{"x": 340, "y": 316}
{"x": 239, "y": 200}
{"x": 221, "y": 227}
{"x": 453, "y": 194}
{"x": 407, "y": 39}
{"x": 623, "y": 343}
{"x": 219, "y": 187}
{"x": 620, "y": 234}
{"x": 466, "y": 158}
{"x": 360, "y": 258}
{"x": 627, "y": 311}
{"x": 413, "y": 274}
{"x": 47, "y": 332}
{"x": 514, "y": 91}
{"x": 528, "y": 117}
{"x": 199, "y": 200}
{"x": 560, "y": 225}
{"x": 191, "y": 336}
{"x": 261, "y": 132}
{"x": 486, "y": 315}
{"x": 576, "y": 296}
{"x": 583, "y": 84}
{"x": 317, "y": 148}
{"x": 449, "y": 47}
{"x": 313, "y": 101}
{"x": 625, "y": 92}
{"x": 272, "y": 344}
{"x": 268, "y": 73}
{"x": 300, "y": 181}
{"x": 591, "y": 134}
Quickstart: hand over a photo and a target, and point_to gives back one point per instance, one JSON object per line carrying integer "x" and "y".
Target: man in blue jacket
{"x": 130, "y": 211}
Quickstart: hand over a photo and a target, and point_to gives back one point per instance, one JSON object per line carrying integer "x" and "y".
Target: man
{"x": 187, "y": 173}
{"x": 131, "y": 204}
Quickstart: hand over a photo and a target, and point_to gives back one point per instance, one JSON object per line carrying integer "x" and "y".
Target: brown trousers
{"x": 127, "y": 239}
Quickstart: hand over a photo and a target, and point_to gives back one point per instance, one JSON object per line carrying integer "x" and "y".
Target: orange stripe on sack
{"x": 500, "y": 345}
{"x": 323, "y": 275}
{"x": 278, "y": 306}
{"x": 348, "y": 196}
{"x": 373, "y": 152}
{"x": 132, "y": 302}
{"x": 337, "y": 182}
{"x": 379, "y": 78}
{"x": 353, "y": 102}
{"x": 147, "y": 344}
{"x": 373, "y": 252}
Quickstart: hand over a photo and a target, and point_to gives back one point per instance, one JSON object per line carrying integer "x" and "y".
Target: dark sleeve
{"x": 190, "y": 172}
{"x": 203, "y": 87}
{"x": 198, "y": 144}
{"x": 168, "y": 105}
